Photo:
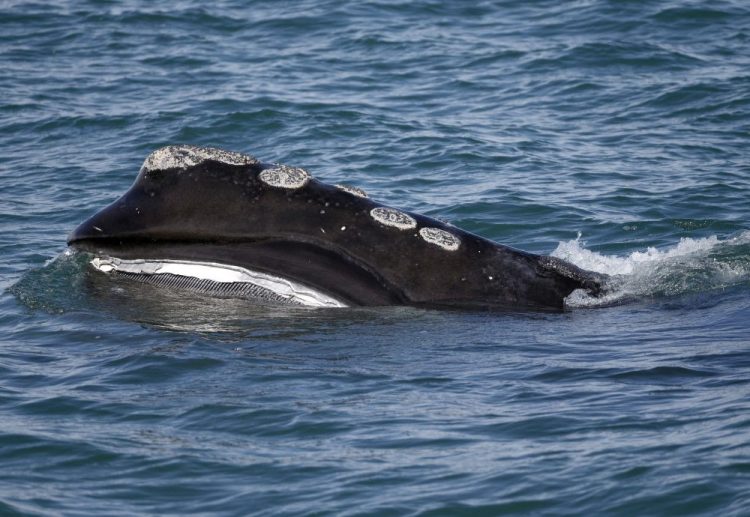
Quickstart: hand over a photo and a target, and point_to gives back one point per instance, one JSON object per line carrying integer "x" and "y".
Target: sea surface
{"x": 614, "y": 134}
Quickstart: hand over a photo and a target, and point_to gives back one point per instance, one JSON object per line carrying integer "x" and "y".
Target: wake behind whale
{"x": 228, "y": 224}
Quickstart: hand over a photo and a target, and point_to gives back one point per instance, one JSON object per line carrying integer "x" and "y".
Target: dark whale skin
{"x": 212, "y": 209}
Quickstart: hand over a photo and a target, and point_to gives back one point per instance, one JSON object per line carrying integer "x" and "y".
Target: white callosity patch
{"x": 355, "y": 191}
{"x": 393, "y": 217}
{"x": 222, "y": 273}
{"x": 284, "y": 176}
{"x": 184, "y": 156}
{"x": 445, "y": 240}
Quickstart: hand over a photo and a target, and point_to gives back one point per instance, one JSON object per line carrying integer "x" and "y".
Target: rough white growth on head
{"x": 184, "y": 156}
{"x": 445, "y": 240}
{"x": 393, "y": 217}
{"x": 284, "y": 176}
{"x": 355, "y": 191}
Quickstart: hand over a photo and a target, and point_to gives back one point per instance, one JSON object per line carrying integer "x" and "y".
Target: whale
{"x": 227, "y": 224}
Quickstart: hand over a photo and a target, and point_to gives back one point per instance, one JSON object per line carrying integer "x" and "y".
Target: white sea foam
{"x": 691, "y": 265}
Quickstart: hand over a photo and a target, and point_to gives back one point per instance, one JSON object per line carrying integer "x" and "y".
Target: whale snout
{"x": 88, "y": 230}
{"x": 110, "y": 222}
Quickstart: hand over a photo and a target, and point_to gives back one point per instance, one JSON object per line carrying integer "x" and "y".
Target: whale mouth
{"x": 214, "y": 279}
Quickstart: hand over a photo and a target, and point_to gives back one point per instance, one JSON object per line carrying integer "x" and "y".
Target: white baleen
{"x": 222, "y": 273}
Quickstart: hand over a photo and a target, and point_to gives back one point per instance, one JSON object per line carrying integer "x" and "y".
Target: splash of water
{"x": 692, "y": 265}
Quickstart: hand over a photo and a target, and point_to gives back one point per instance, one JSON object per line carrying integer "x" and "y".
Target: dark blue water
{"x": 613, "y": 134}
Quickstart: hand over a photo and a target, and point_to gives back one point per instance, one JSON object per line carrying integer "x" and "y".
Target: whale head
{"x": 193, "y": 208}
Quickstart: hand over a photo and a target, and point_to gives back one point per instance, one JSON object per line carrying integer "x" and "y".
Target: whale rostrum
{"x": 227, "y": 220}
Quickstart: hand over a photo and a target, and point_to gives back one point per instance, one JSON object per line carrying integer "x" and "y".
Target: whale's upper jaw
{"x": 164, "y": 216}
{"x": 330, "y": 272}
{"x": 168, "y": 199}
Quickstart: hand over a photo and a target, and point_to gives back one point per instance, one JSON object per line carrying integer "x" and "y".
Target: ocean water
{"x": 614, "y": 134}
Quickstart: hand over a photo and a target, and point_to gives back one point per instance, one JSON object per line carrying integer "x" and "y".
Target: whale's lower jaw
{"x": 211, "y": 278}
{"x": 269, "y": 264}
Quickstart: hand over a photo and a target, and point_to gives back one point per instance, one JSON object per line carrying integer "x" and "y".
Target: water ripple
{"x": 623, "y": 122}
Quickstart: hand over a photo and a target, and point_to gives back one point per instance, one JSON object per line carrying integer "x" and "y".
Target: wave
{"x": 692, "y": 265}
